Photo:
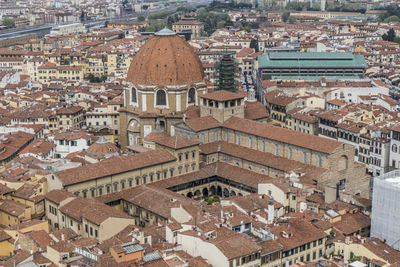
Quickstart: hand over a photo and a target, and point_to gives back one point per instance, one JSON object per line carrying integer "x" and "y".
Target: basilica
{"x": 164, "y": 79}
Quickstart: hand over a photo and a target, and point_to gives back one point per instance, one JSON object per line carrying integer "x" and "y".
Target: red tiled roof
{"x": 282, "y": 135}
{"x": 113, "y": 166}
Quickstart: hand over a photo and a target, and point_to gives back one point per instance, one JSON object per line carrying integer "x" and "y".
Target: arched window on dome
{"x": 161, "y": 98}
{"x": 133, "y": 95}
{"x": 191, "y": 96}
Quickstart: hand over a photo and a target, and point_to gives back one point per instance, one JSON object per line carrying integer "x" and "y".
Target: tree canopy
{"x": 9, "y": 23}
{"x": 391, "y": 19}
{"x": 389, "y": 36}
{"x": 213, "y": 20}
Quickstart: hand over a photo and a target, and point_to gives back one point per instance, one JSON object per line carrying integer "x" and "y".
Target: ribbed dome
{"x": 165, "y": 59}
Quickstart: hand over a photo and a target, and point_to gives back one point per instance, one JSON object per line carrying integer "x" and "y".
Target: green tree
{"x": 246, "y": 28}
{"x": 9, "y": 23}
{"x": 254, "y": 44}
{"x": 392, "y": 19}
{"x": 292, "y": 20}
{"x": 396, "y": 39}
{"x": 267, "y": 24}
{"x": 389, "y": 36}
{"x": 285, "y": 16}
{"x": 221, "y": 24}
{"x": 83, "y": 16}
{"x": 141, "y": 18}
{"x": 150, "y": 29}
{"x": 213, "y": 20}
{"x": 121, "y": 35}
{"x": 103, "y": 77}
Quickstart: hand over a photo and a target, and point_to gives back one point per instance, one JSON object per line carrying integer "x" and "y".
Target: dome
{"x": 165, "y": 59}
{"x": 102, "y": 149}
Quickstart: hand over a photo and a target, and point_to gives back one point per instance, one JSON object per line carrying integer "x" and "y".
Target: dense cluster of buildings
{"x": 256, "y": 148}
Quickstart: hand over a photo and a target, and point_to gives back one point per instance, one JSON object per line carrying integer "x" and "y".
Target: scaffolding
{"x": 227, "y": 73}
{"x": 386, "y": 209}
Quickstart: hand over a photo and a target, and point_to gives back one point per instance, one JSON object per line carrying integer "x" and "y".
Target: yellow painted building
{"x": 13, "y": 213}
{"x": 6, "y": 244}
{"x": 51, "y": 71}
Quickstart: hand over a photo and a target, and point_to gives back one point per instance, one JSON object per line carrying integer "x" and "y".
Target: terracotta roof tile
{"x": 202, "y": 123}
{"x": 222, "y": 95}
{"x": 282, "y": 135}
{"x": 91, "y": 209}
{"x": 57, "y": 195}
{"x": 114, "y": 165}
{"x": 165, "y": 60}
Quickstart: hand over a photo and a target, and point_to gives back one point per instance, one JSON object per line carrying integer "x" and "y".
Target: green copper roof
{"x": 333, "y": 78}
{"x": 310, "y": 60}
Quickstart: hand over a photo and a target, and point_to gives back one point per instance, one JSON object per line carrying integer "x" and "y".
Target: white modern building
{"x": 386, "y": 209}
{"x": 68, "y": 29}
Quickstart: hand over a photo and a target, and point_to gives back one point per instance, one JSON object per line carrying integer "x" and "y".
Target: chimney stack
{"x": 271, "y": 211}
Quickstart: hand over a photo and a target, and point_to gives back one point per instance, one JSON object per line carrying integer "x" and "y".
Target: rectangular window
{"x": 95, "y": 233}
{"x": 304, "y": 157}
{"x": 86, "y": 228}
{"x": 91, "y": 230}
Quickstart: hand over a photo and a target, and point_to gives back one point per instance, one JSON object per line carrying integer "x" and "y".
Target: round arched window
{"x": 161, "y": 98}
{"x": 191, "y": 96}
